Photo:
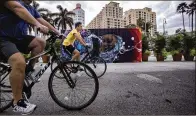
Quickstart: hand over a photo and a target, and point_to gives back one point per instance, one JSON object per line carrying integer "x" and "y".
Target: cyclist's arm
{"x": 22, "y": 12}
{"x": 79, "y": 38}
{"x": 45, "y": 23}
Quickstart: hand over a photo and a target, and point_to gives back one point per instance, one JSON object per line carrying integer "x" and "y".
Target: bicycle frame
{"x": 86, "y": 57}
{"x": 55, "y": 57}
{"x": 51, "y": 50}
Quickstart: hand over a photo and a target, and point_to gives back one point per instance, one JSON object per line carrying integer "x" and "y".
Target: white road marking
{"x": 149, "y": 78}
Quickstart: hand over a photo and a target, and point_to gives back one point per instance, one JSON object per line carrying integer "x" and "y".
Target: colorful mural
{"x": 115, "y": 45}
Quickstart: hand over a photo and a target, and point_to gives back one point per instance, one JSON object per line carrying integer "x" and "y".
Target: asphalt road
{"x": 152, "y": 88}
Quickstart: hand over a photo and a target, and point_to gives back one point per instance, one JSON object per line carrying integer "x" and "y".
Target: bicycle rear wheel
{"x": 98, "y": 65}
{"x": 69, "y": 98}
{"x": 5, "y": 88}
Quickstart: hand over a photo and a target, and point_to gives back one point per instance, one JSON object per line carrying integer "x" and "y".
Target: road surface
{"x": 152, "y": 88}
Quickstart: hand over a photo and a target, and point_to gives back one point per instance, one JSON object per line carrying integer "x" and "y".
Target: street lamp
{"x": 145, "y": 26}
{"x": 164, "y": 22}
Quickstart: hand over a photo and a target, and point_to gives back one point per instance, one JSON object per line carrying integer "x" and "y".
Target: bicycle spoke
{"x": 5, "y": 88}
{"x": 82, "y": 94}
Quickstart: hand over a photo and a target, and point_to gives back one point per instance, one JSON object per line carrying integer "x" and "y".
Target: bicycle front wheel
{"x": 78, "y": 97}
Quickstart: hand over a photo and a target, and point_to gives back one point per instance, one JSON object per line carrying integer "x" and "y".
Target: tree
{"x": 191, "y": 10}
{"x": 148, "y": 26}
{"x": 140, "y": 23}
{"x": 45, "y": 14}
{"x": 145, "y": 26}
{"x": 182, "y": 7}
{"x": 131, "y": 26}
{"x": 62, "y": 18}
{"x": 178, "y": 30}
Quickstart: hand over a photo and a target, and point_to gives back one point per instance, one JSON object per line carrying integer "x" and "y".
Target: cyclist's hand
{"x": 86, "y": 47}
{"x": 42, "y": 28}
{"x": 61, "y": 36}
{"x": 57, "y": 32}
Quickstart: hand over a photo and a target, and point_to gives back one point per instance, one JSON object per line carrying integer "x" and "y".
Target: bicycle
{"x": 66, "y": 69}
{"x": 93, "y": 61}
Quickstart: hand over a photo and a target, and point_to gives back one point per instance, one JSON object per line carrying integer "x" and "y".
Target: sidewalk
{"x": 169, "y": 58}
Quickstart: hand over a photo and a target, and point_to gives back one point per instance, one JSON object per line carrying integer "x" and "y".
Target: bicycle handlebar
{"x": 52, "y": 33}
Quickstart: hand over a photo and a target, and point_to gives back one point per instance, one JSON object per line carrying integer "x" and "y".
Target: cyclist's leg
{"x": 76, "y": 55}
{"x": 17, "y": 62}
{"x": 71, "y": 50}
{"x": 33, "y": 44}
{"x": 37, "y": 46}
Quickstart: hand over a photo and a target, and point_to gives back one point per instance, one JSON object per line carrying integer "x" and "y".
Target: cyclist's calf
{"x": 76, "y": 55}
{"x": 18, "y": 64}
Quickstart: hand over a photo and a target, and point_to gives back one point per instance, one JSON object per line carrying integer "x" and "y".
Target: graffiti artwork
{"x": 115, "y": 45}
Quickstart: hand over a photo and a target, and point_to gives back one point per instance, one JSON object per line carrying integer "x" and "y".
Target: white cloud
{"x": 163, "y": 9}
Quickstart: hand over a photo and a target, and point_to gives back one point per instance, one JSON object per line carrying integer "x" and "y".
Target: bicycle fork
{"x": 66, "y": 75}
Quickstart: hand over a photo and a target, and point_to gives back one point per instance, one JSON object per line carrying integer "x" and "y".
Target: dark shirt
{"x": 11, "y": 25}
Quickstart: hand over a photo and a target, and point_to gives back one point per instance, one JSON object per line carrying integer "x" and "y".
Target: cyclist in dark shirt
{"x": 15, "y": 17}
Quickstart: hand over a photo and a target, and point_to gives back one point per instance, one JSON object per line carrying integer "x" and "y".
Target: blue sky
{"x": 163, "y": 9}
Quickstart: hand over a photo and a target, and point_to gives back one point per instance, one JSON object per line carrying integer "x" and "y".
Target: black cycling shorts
{"x": 10, "y": 46}
{"x": 69, "y": 49}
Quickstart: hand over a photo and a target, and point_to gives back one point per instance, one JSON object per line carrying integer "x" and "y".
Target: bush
{"x": 145, "y": 46}
{"x": 189, "y": 43}
{"x": 164, "y": 53}
{"x": 58, "y": 46}
{"x": 147, "y": 52}
{"x": 159, "y": 44}
{"x": 175, "y": 44}
{"x": 193, "y": 52}
{"x": 173, "y": 52}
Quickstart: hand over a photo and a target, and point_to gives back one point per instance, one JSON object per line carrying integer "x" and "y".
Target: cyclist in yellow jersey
{"x": 68, "y": 43}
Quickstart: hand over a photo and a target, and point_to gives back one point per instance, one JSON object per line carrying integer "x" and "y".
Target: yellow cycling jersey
{"x": 70, "y": 39}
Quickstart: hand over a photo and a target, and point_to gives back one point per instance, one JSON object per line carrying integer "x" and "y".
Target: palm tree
{"x": 62, "y": 18}
{"x": 148, "y": 27}
{"x": 182, "y": 9}
{"x": 144, "y": 26}
{"x": 191, "y": 11}
{"x": 45, "y": 14}
{"x": 131, "y": 26}
{"x": 40, "y": 10}
{"x": 141, "y": 23}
